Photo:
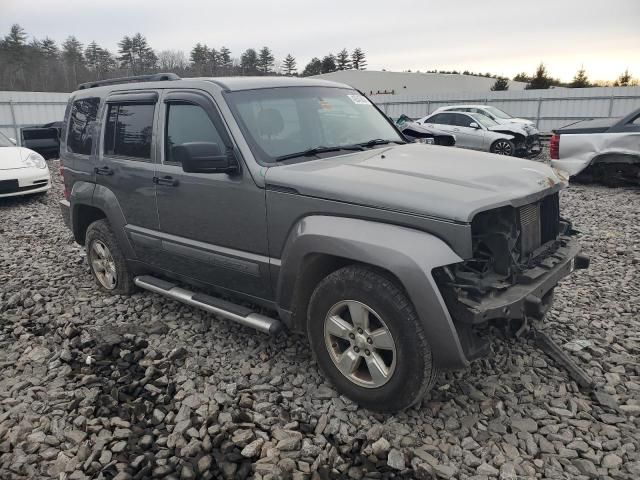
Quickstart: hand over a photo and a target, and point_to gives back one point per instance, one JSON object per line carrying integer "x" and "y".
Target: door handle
{"x": 103, "y": 171}
{"x": 166, "y": 180}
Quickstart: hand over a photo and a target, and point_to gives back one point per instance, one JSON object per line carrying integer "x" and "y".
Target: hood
{"x": 11, "y": 157}
{"x": 428, "y": 180}
{"x": 520, "y": 128}
{"x": 522, "y": 121}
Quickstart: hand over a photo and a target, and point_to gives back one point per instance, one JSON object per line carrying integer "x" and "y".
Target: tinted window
{"x": 635, "y": 121}
{"x": 83, "y": 113}
{"x": 188, "y": 123}
{"x": 443, "y": 119}
{"x": 462, "y": 120}
{"x": 128, "y": 130}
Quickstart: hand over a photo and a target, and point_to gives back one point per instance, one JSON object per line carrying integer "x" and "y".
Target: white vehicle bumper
{"x": 24, "y": 181}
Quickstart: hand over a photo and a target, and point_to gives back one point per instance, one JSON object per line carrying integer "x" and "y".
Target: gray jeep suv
{"x": 288, "y": 202}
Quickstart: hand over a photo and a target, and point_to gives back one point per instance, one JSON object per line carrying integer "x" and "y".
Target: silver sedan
{"x": 477, "y": 132}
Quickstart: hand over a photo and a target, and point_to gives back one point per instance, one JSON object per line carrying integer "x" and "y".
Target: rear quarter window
{"x": 83, "y": 115}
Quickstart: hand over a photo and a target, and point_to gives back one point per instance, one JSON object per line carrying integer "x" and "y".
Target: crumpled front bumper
{"x": 526, "y": 297}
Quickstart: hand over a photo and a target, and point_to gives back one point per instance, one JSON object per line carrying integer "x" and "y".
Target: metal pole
{"x": 611, "y": 105}
{"x": 539, "y": 108}
{"x": 15, "y": 124}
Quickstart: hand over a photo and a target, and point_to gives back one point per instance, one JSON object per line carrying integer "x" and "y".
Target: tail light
{"x": 554, "y": 146}
{"x": 64, "y": 184}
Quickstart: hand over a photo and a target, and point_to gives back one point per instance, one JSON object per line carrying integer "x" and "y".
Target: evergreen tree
{"x": 224, "y": 57}
{"x": 265, "y": 61}
{"x": 358, "y": 61}
{"x": 73, "y": 59}
{"x": 624, "y": 80}
{"x": 289, "y": 65}
{"x": 522, "y": 77}
{"x": 199, "y": 57}
{"x": 329, "y": 64}
{"x": 540, "y": 80}
{"x": 314, "y": 67}
{"x": 500, "y": 84}
{"x": 249, "y": 62}
{"x": 136, "y": 55}
{"x": 343, "y": 61}
{"x": 49, "y": 48}
{"x": 580, "y": 80}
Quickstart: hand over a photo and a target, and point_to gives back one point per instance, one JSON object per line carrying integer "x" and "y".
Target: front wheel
{"x": 503, "y": 147}
{"x": 368, "y": 340}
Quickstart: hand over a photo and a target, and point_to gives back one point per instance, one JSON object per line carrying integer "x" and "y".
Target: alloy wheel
{"x": 502, "y": 148}
{"x": 103, "y": 265}
{"x": 360, "y": 344}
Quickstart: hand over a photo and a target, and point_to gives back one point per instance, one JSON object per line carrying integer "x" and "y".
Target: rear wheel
{"x": 368, "y": 340}
{"x": 503, "y": 147}
{"x": 108, "y": 266}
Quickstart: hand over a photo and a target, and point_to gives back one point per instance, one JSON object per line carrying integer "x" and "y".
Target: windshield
{"x": 4, "y": 141}
{"x": 484, "y": 120}
{"x": 281, "y": 122}
{"x": 496, "y": 112}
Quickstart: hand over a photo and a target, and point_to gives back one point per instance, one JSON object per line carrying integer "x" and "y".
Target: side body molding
{"x": 408, "y": 254}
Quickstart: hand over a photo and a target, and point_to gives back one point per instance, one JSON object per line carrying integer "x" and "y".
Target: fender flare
{"x": 408, "y": 254}
{"x": 100, "y": 197}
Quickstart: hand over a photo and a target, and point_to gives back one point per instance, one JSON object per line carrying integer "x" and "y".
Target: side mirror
{"x": 13, "y": 140}
{"x": 474, "y": 125}
{"x": 204, "y": 157}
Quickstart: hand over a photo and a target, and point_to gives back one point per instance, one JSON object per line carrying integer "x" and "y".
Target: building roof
{"x": 413, "y": 83}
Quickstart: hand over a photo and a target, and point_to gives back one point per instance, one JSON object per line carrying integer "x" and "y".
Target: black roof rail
{"x": 154, "y": 77}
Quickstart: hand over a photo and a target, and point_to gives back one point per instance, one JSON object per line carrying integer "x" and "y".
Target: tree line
{"x": 43, "y": 65}
{"x": 542, "y": 80}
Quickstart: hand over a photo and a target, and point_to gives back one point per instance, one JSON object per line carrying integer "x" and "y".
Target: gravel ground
{"x": 96, "y": 386}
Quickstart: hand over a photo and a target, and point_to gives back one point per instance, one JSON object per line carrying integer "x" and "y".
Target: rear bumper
{"x": 65, "y": 210}
{"x": 526, "y": 296}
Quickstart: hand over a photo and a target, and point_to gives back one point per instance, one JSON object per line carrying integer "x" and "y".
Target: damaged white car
{"x": 22, "y": 171}
{"x": 603, "y": 150}
{"x": 478, "y": 132}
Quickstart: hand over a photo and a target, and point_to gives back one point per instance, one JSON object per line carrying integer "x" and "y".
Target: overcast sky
{"x": 502, "y": 37}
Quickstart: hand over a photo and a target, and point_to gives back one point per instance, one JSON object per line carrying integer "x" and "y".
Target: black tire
{"x": 503, "y": 147}
{"x": 100, "y": 232}
{"x": 414, "y": 373}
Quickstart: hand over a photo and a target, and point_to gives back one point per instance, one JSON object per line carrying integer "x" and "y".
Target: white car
{"x": 22, "y": 171}
{"x": 478, "y": 132}
{"x": 495, "y": 114}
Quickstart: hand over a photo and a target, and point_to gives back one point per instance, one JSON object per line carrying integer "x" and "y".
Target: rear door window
{"x": 81, "y": 121}
{"x": 128, "y": 130}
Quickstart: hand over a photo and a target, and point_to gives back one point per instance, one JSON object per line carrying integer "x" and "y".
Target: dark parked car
{"x": 291, "y": 202}
{"x": 44, "y": 139}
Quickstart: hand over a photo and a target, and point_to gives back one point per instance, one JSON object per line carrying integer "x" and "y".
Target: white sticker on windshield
{"x": 359, "y": 100}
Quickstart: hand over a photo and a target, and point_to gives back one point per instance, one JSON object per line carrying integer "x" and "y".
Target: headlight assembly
{"x": 35, "y": 160}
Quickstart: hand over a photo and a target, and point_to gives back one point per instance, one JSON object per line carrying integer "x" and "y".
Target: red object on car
{"x": 554, "y": 146}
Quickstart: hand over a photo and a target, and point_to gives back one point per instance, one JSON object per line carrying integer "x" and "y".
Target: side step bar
{"x": 230, "y": 311}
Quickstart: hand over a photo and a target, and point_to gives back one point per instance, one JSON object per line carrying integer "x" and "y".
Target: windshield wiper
{"x": 379, "y": 141}
{"x": 314, "y": 151}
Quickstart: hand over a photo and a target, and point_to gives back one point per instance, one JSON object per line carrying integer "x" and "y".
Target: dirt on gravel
{"x": 99, "y": 386}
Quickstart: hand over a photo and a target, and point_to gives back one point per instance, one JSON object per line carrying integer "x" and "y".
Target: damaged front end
{"x": 519, "y": 255}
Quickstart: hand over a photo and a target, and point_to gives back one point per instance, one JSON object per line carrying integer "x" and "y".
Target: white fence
{"x": 548, "y": 108}
{"x": 25, "y": 109}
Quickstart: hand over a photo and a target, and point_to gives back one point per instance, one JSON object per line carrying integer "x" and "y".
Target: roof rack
{"x": 155, "y": 77}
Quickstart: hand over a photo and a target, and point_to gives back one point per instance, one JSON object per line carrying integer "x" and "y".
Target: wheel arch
{"x": 319, "y": 245}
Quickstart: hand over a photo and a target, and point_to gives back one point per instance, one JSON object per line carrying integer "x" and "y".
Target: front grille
{"x": 529, "y": 228}
{"x": 539, "y": 223}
